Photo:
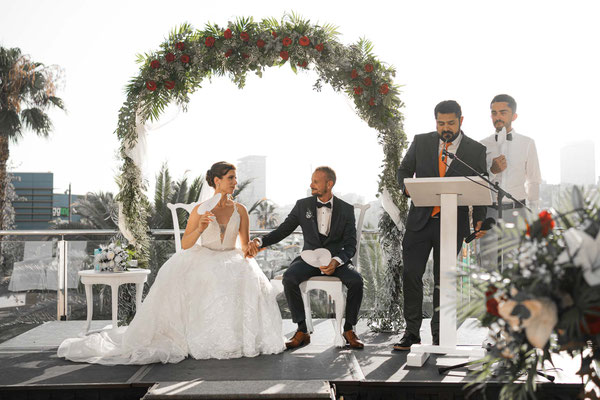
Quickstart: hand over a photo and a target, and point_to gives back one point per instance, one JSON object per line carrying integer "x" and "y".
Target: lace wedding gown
{"x": 207, "y": 301}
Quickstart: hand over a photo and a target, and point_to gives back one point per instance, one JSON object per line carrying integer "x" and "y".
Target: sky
{"x": 543, "y": 53}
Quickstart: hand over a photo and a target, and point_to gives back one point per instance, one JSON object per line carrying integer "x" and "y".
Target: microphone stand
{"x": 501, "y": 193}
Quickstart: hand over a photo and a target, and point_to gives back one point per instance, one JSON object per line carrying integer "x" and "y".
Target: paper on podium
{"x": 316, "y": 258}
{"x": 426, "y": 192}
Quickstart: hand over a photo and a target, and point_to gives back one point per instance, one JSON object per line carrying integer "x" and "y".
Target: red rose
{"x": 302, "y": 64}
{"x": 383, "y": 89}
{"x": 274, "y": 34}
{"x": 358, "y": 90}
{"x": 592, "y": 321}
{"x": 286, "y": 41}
{"x": 151, "y": 86}
{"x": 319, "y": 47}
{"x": 354, "y": 74}
{"x": 227, "y": 34}
{"x": 284, "y": 54}
{"x": 228, "y": 53}
{"x": 185, "y": 58}
{"x": 155, "y": 64}
{"x": 547, "y": 222}
{"x": 244, "y": 36}
{"x": 180, "y": 46}
{"x": 367, "y": 81}
{"x": 369, "y": 67}
{"x": 372, "y": 101}
{"x": 260, "y": 43}
{"x": 304, "y": 41}
{"x": 209, "y": 41}
{"x": 170, "y": 57}
{"x": 170, "y": 84}
{"x": 246, "y": 55}
{"x": 491, "y": 304}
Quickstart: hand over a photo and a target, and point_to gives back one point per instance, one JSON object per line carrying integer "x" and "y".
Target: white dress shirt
{"x": 522, "y": 176}
{"x": 324, "y": 220}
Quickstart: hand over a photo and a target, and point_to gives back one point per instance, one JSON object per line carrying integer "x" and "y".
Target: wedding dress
{"x": 207, "y": 302}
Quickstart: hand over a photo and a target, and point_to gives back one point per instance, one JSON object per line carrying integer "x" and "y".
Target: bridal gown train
{"x": 206, "y": 302}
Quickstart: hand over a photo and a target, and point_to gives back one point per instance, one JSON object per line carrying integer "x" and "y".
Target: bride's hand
{"x": 205, "y": 220}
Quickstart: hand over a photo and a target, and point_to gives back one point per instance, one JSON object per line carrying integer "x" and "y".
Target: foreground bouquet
{"x": 545, "y": 300}
{"x": 112, "y": 258}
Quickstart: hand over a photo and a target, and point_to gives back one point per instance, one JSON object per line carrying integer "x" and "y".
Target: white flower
{"x": 111, "y": 264}
{"x": 110, "y": 255}
{"x": 117, "y": 249}
{"x": 586, "y": 252}
{"x": 111, "y": 246}
{"x": 118, "y": 259}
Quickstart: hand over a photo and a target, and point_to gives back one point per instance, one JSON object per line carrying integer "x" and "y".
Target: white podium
{"x": 448, "y": 193}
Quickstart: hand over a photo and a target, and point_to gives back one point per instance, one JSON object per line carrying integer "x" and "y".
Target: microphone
{"x": 444, "y": 151}
{"x": 487, "y": 224}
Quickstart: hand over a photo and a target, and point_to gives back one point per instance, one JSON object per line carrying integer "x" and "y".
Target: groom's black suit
{"x": 341, "y": 242}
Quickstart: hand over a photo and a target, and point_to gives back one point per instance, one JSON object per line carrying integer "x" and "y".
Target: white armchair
{"x": 176, "y": 229}
{"x": 330, "y": 284}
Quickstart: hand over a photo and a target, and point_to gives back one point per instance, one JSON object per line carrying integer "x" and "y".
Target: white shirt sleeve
{"x": 533, "y": 176}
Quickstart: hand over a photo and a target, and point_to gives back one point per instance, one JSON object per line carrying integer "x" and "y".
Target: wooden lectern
{"x": 448, "y": 193}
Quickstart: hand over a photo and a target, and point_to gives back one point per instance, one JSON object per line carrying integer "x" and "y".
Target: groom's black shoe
{"x": 406, "y": 342}
{"x": 299, "y": 339}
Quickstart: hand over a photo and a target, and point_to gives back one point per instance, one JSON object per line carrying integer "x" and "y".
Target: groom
{"x": 326, "y": 222}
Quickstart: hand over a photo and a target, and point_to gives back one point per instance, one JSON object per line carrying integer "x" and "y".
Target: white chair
{"x": 330, "y": 284}
{"x": 176, "y": 230}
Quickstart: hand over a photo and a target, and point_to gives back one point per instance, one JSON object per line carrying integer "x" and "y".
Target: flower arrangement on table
{"x": 545, "y": 300}
{"x": 113, "y": 258}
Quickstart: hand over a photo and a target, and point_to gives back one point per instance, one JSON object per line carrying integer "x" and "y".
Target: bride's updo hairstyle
{"x": 218, "y": 170}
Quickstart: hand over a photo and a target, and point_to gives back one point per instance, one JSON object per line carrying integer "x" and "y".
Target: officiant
{"x": 327, "y": 222}
{"x": 425, "y": 159}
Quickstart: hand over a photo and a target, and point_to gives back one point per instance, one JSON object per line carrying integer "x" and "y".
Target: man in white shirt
{"x": 512, "y": 161}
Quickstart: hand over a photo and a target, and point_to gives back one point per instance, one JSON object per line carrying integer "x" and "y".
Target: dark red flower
{"x": 185, "y": 58}
{"x": 155, "y": 64}
{"x": 358, "y": 90}
{"x": 227, "y": 34}
{"x": 354, "y": 74}
{"x": 209, "y": 41}
{"x": 286, "y": 41}
{"x": 244, "y": 36}
{"x": 302, "y": 64}
{"x": 180, "y": 46}
{"x": 304, "y": 41}
{"x": 383, "y": 89}
{"x": 369, "y": 67}
{"x": 491, "y": 304}
{"x": 260, "y": 43}
{"x": 274, "y": 34}
{"x": 169, "y": 84}
{"x": 547, "y": 223}
{"x": 592, "y": 321}
{"x": 151, "y": 86}
{"x": 319, "y": 47}
{"x": 170, "y": 57}
{"x": 367, "y": 81}
{"x": 284, "y": 54}
{"x": 244, "y": 55}
{"x": 228, "y": 53}
{"x": 372, "y": 101}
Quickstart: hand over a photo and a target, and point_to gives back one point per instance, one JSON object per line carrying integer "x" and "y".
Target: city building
{"x": 253, "y": 168}
{"x": 578, "y": 163}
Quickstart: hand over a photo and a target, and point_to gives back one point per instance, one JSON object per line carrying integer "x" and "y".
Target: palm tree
{"x": 265, "y": 211}
{"x": 27, "y": 92}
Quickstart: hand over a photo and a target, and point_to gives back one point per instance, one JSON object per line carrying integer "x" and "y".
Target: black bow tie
{"x": 508, "y": 136}
{"x": 319, "y": 205}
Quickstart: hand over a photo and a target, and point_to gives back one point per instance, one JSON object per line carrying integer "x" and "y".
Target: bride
{"x": 207, "y": 301}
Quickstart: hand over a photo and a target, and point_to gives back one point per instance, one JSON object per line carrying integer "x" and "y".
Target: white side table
{"x": 90, "y": 277}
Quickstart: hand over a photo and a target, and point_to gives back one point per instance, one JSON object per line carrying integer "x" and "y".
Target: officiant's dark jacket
{"x": 341, "y": 241}
{"x": 421, "y": 161}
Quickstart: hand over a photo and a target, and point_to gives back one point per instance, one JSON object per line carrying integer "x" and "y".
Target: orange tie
{"x": 442, "y": 167}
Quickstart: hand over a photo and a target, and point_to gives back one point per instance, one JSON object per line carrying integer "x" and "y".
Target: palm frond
{"x": 37, "y": 121}
{"x": 365, "y": 47}
{"x": 241, "y": 187}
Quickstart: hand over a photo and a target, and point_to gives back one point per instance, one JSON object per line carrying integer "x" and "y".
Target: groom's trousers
{"x": 299, "y": 271}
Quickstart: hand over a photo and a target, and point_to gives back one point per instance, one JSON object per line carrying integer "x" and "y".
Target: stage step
{"x": 311, "y": 389}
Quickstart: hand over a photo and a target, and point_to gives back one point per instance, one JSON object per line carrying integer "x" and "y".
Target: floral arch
{"x": 189, "y": 56}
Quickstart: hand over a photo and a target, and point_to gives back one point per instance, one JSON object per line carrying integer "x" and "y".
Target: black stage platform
{"x": 29, "y": 369}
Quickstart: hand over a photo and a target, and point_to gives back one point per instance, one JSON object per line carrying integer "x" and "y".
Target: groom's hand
{"x": 329, "y": 269}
